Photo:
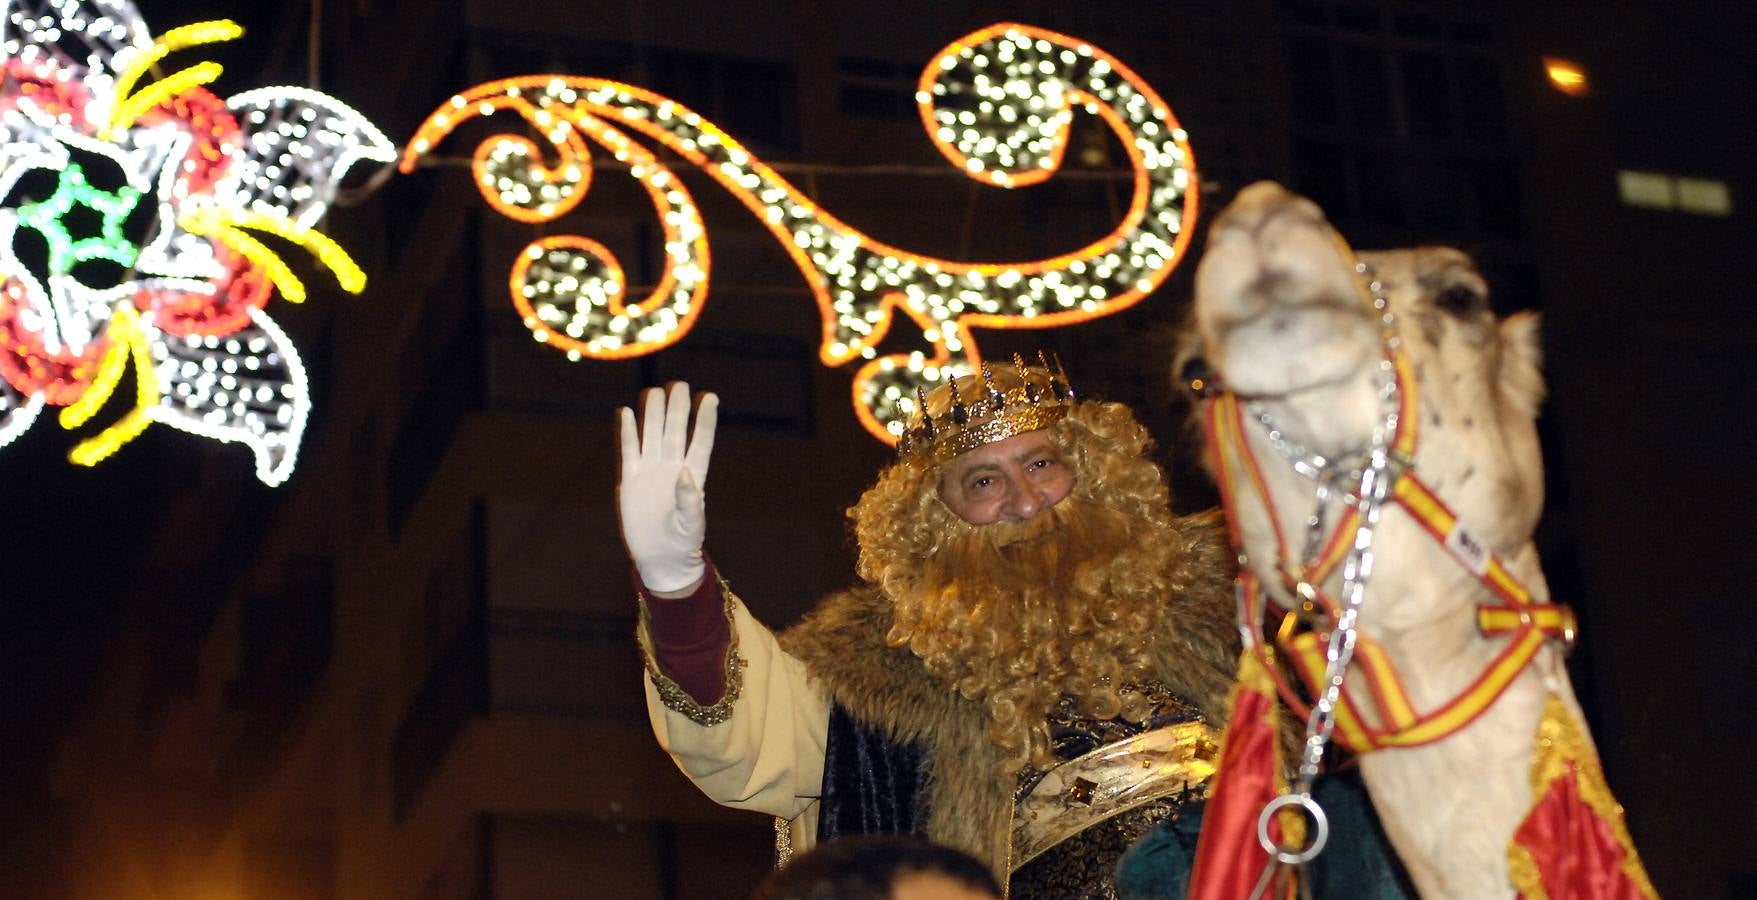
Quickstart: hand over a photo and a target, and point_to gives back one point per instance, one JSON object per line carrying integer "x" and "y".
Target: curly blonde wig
{"x": 1016, "y": 615}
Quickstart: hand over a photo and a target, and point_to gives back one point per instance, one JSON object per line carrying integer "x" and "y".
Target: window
{"x": 1657, "y": 190}
{"x": 452, "y": 390}
{"x": 1399, "y": 119}
{"x": 445, "y": 648}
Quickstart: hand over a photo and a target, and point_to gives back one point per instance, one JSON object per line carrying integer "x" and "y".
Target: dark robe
{"x": 872, "y": 786}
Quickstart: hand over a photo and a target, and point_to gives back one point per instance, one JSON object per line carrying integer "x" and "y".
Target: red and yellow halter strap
{"x": 1515, "y": 615}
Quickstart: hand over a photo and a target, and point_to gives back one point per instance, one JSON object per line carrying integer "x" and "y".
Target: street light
{"x": 1567, "y": 76}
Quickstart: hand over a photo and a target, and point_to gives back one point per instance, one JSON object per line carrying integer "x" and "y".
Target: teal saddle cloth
{"x": 1357, "y": 861}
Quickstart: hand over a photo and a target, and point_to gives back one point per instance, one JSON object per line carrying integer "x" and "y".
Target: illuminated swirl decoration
{"x": 130, "y": 210}
{"x": 997, "y": 103}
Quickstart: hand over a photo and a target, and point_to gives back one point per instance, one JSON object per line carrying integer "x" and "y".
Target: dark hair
{"x": 867, "y": 867}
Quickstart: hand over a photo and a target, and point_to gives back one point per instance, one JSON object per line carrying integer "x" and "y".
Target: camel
{"x": 1373, "y": 428}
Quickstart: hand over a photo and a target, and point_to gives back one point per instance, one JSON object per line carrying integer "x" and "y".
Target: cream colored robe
{"x": 766, "y": 751}
{"x": 768, "y": 755}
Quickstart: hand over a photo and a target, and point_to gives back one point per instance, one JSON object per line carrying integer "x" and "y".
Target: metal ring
{"x": 1320, "y": 829}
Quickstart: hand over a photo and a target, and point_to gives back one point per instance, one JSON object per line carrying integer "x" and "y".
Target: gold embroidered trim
{"x": 1562, "y": 749}
{"x": 1522, "y": 867}
{"x": 1254, "y": 676}
{"x": 783, "y": 842}
{"x": 671, "y": 693}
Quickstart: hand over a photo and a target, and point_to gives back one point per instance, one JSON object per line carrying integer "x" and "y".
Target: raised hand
{"x": 660, "y": 496}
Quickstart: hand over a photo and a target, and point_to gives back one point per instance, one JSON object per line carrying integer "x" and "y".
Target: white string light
{"x": 997, "y": 103}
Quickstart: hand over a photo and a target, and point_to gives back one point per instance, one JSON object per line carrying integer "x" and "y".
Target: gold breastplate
{"x": 1110, "y": 769}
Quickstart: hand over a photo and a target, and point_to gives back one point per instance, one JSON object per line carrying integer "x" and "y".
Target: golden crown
{"x": 973, "y": 410}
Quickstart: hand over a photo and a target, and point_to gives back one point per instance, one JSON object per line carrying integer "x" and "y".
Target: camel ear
{"x": 1521, "y": 375}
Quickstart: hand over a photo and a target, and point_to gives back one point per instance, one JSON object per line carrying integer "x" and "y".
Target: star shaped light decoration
{"x": 132, "y": 210}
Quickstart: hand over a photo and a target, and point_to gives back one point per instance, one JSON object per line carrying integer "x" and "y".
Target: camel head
{"x": 1293, "y": 324}
{"x": 1379, "y": 390}
{"x": 1286, "y": 321}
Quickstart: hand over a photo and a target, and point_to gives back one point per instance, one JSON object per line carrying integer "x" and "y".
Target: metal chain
{"x": 1375, "y": 478}
{"x": 1309, "y": 464}
{"x": 1375, "y": 483}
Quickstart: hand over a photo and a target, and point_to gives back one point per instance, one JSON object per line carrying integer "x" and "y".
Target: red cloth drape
{"x": 1573, "y": 844}
{"x": 1229, "y": 860}
{"x": 1577, "y": 854}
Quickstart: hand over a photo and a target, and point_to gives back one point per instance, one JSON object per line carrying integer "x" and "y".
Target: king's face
{"x": 1009, "y": 480}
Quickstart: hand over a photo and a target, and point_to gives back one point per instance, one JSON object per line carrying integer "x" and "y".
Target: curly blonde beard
{"x": 1015, "y": 615}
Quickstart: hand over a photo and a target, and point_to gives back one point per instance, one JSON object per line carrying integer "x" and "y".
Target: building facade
{"x": 409, "y": 673}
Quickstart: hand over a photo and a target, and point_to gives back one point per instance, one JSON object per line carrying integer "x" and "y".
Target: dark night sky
{"x": 75, "y": 541}
{"x": 78, "y": 534}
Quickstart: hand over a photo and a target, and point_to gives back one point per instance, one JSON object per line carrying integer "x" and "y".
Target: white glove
{"x": 660, "y": 496}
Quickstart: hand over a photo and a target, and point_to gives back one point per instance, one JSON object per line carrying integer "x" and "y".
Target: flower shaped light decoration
{"x": 129, "y": 213}
{"x": 998, "y": 104}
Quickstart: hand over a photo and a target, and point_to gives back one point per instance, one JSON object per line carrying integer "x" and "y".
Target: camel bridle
{"x": 1382, "y": 475}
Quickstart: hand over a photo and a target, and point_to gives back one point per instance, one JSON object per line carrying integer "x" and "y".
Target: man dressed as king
{"x": 1033, "y": 668}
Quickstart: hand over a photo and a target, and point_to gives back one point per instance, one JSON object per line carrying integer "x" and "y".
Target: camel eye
{"x": 1462, "y": 300}
{"x": 1195, "y": 376}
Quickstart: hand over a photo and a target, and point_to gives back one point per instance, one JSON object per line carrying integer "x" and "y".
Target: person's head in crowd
{"x": 881, "y": 867}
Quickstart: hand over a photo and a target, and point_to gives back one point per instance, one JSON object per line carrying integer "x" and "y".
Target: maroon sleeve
{"x": 690, "y": 636}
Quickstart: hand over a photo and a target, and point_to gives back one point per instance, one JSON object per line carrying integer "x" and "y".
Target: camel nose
{"x": 1261, "y": 192}
{"x": 1260, "y": 203}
